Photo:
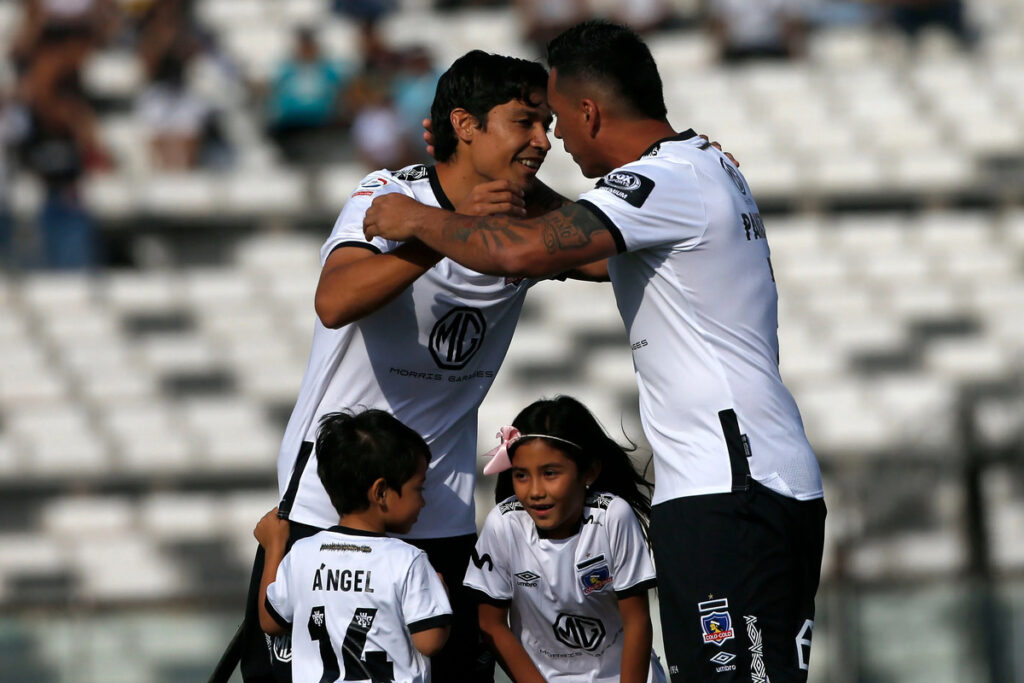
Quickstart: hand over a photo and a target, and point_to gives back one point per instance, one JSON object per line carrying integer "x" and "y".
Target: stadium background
{"x": 147, "y": 369}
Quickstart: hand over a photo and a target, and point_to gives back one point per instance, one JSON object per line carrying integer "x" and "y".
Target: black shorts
{"x": 737, "y": 575}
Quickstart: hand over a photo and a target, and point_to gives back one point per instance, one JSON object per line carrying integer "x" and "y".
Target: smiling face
{"x": 403, "y": 510}
{"x": 515, "y": 141}
{"x": 550, "y": 486}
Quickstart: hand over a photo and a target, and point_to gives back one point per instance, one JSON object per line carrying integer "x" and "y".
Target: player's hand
{"x": 392, "y": 216}
{"x": 494, "y": 197}
{"x": 272, "y": 532}
{"x": 428, "y": 136}
{"x": 718, "y": 146}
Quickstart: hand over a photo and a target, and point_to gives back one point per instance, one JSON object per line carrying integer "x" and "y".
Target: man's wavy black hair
{"x": 478, "y": 82}
{"x": 615, "y": 57}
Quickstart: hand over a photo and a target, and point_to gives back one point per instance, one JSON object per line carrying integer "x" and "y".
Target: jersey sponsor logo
{"x": 734, "y": 175}
{"x": 715, "y": 622}
{"x": 627, "y": 186}
{"x": 369, "y": 186}
{"x": 346, "y": 547}
{"x": 527, "y": 579}
{"x": 510, "y": 506}
{"x": 479, "y": 561}
{"x": 281, "y": 647}
{"x": 457, "y": 337}
{"x": 413, "y": 173}
{"x": 579, "y": 632}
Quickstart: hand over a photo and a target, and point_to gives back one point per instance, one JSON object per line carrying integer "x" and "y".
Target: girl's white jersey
{"x": 428, "y": 357}
{"x": 563, "y": 594}
{"x": 352, "y": 599}
{"x": 696, "y": 292}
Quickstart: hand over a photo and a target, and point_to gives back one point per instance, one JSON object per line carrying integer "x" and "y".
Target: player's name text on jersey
{"x": 347, "y": 580}
{"x": 346, "y": 547}
{"x": 753, "y": 226}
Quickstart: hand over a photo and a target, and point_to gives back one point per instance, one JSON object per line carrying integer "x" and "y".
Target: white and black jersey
{"x": 695, "y": 288}
{"x": 563, "y": 594}
{"x": 352, "y": 599}
{"x": 428, "y": 357}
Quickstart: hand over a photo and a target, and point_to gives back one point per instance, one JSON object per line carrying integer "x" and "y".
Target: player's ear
{"x": 591, "y": 115}
{"x": 464, "y": 124}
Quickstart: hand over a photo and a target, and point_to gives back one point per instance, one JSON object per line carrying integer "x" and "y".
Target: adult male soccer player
{"x": 738, "y": 517}
{"x": 401, "y": 329}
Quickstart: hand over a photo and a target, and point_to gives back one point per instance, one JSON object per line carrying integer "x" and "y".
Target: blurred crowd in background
{"x": 315, "y": 107}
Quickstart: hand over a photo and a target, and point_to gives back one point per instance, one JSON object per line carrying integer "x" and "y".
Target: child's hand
{"x": 272, "y": 532}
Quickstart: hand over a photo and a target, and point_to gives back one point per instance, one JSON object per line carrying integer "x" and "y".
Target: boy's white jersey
{"x": 428, "y": 357}
{"x": 695, "y": 288}
{"x": 352, "y": 599}
{"x": 563, "y": 594}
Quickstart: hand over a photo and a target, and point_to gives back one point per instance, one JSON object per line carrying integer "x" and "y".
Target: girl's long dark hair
{"x": 567, "y": 418}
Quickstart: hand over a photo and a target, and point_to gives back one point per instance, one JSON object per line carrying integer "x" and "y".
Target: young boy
{"x": 360, "y": 606}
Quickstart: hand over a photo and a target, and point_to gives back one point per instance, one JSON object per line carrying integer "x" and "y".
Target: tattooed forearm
{"x": 569, "y": 228}
{"x": 542, "y": 199}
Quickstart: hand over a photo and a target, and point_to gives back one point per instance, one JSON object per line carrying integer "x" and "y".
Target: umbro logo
{"x": 527, "y": 579}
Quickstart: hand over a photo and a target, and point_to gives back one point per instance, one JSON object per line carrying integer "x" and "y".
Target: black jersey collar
{"x": 685, "y": 135}
{"x": 435, "y": 185}
{"x": 354, "y": 532}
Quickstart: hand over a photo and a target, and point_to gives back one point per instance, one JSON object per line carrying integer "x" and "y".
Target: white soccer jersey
{"x": 428, "y": 357}
{"x": 352, "y": 599}
{"x": 564, "y": 593}
{"x": 697, "y": 295}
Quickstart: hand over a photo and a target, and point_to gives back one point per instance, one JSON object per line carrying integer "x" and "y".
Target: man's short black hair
{"x": 478, "y": 82}
{"x": 355, "y": 450}
{"x": 615, "y": 57}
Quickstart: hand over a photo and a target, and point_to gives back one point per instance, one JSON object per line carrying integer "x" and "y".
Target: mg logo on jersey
{"x": 579, "y": 633}
{"x": 457, "y": 337}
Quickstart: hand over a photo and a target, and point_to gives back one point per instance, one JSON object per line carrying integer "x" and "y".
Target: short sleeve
{"x": 424, "y": 600}
{"x": 487, "y": 572}
{"x": 348, "y": 228}
{"x": 631, "y": 559}
{"x": 280, "y": 601}
{"x": 646, "y": 204}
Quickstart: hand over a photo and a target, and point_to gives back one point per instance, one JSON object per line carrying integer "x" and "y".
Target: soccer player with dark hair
{"x": 738, "y": 513}
{"x": 400, "y": 328}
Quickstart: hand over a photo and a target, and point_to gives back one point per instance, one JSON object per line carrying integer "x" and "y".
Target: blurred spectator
{"x": 545, "y": 19}
{"x": 52, "y": 21}
{"x": 377, "y": 132}
{"x": 755, "y": 30}
{"x": 911, "y": 16}
{"x": 14, "y": 127}
{"x": 413, "y": 93}
{"x": 175, "y": 117}
{"x": 643, "y": 16}
{"x": 364, "y": 10}
{"x": 306, "y": 95}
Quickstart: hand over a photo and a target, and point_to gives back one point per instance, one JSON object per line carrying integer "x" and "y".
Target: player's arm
{"x": 511, "y": 654}
{"x": 554, "y": 243}
{"x": 637, "y": 637}
{"x": 540, "y": 200}
{"x": 430, "y": 641}
{"x": 356, "y": 281}
{"x": 272, "y": 533}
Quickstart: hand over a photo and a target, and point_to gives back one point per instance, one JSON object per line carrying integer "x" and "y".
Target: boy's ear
{"x": 378, "y": 491}
{"x": 464, "y": 124}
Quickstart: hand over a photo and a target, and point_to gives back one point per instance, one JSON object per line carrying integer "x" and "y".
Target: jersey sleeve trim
{"x": 482, "y": 597}
{"x": 275, "y": 615}
{"x": 636, "y": 589}
{"x": 353, "y": 243}
{"x": 430, "y": 622}
{"x": 620, "y": 243}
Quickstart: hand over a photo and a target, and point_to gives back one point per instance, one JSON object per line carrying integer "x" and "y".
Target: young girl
{"x": 561, "y": 567}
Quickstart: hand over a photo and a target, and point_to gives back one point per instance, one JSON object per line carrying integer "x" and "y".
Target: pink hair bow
{"x": 499, "y": 459}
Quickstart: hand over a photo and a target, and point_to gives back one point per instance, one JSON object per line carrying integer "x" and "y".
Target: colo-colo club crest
{"x": 715, "y": 622}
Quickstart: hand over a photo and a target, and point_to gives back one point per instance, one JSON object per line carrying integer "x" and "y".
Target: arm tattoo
{"x": 569, "y": 228}
{"x": 541, "y": 199}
